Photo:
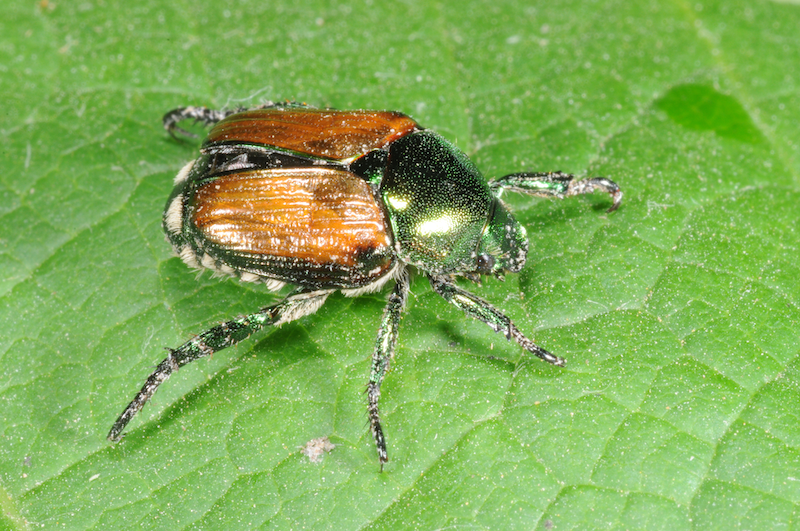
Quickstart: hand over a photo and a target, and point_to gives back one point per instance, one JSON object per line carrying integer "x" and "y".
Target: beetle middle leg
{"x": 299, "y": 303}
{"x": 382, "y": 357}
{"x": 480, "y": 309}
{"x": 556, "y": 184}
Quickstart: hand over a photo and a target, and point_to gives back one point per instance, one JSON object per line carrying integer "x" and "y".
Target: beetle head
{"x": 504, "y": 243}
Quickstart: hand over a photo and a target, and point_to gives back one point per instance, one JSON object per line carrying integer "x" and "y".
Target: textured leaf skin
{"x": 678, "y": 315}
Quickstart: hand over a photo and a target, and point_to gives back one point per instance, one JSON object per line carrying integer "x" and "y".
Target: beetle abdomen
{"x": 319, "y": 225}
{"x": 335, "y": 135}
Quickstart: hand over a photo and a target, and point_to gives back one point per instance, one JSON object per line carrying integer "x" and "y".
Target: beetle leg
{"x": 208, "y": 116}
{"x": 296, "y": 305}
{"x": 480, "y": 309}
{"x": 556, "y": 184}
{"x": 382, "y": 357}
{"x": 202, "y": 115}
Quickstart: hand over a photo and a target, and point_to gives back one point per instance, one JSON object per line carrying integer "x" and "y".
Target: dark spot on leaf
{"x": 703, "y": 108}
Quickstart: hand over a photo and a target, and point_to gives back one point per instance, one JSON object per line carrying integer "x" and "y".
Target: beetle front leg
{"x": 480, "y": 309}
{"x": 222, "y": 336}
{"x": 382, "y": 357}
{"x": 556, "y": 184}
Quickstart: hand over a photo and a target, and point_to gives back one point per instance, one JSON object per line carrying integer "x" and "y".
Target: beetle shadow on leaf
{"x": 564, "y": 211}
{"x": 478, "y": 343}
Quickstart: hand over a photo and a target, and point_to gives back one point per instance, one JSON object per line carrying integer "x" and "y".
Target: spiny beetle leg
{"x": 556, "y": 184}
{"x": 208, "y": 116}
{"x": 382, "y": 358}
{"x": 296, "y": 305}
{"x": 481, "y": 310}
{"x": 202, "y": 115}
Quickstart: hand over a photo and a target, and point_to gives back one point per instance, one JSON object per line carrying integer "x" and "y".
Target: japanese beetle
{"x": 342, "y": 200}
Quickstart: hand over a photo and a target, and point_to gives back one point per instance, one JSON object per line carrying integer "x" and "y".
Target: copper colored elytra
{"x": 330, "y": 134}
{"x": 320, "y": 215}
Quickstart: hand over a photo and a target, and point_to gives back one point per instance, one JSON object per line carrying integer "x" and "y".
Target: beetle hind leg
{"x": 556, "y": 184}
{"x": 382, "y": 357}
{"x": 208, "y": 117}
{"x": 296, "y": 305}
{"x": 202, "y": 115}
{"x": 480, "y": 309}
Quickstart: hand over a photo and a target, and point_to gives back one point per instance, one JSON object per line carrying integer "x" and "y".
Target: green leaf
{"x": 678, "y": 314}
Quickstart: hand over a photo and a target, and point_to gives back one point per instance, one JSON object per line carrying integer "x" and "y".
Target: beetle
{"x": 344, "y": 201}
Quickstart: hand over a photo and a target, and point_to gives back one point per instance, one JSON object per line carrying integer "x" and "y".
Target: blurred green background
{"x": 678, "y": 314}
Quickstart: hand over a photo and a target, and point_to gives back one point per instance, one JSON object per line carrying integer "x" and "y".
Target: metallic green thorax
{"x": 444, "y": 216}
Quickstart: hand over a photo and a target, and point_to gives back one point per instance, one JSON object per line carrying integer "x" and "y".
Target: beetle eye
{"x": 485, "y": 264}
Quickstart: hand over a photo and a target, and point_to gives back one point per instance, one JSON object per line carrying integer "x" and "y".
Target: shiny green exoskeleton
{"x": 445, "y": 218}
{"x": 342, "y": 200}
